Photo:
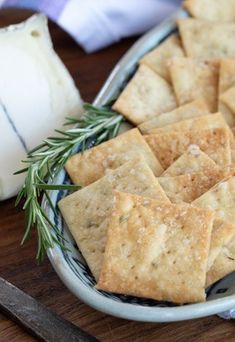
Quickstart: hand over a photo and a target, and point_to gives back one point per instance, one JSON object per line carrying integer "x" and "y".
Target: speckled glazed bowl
{"x": 71, "y": 267}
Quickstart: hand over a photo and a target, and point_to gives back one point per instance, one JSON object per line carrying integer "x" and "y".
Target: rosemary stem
{"x": 47, "y": 159}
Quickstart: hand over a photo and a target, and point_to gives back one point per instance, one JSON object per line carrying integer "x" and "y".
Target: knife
{"x": 39, "y": 321}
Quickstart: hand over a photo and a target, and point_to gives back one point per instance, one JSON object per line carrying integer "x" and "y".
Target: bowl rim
{"x": 101, "y": 303}
{"x": 132, "y": 311}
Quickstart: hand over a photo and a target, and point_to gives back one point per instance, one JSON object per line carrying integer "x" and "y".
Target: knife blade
{"x": 38, "y": 320}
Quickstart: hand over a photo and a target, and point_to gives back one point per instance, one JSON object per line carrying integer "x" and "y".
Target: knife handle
{"x": 39, "y": 321}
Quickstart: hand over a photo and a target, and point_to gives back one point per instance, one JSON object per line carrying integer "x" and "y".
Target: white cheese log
{"x": 9, "y": 147}
{"x": 36, "y": 93}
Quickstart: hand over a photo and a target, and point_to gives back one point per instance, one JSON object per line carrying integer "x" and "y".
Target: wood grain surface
{"x": 18, "y": 265}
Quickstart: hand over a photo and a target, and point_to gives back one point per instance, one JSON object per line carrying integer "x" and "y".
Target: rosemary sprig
{"x": 47, "y": 159}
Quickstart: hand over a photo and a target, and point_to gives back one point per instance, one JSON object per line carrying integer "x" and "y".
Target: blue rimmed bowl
{"x": 70, "y": 265}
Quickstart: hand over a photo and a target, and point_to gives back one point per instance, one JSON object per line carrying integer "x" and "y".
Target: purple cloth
{"x": 95, "y": 24}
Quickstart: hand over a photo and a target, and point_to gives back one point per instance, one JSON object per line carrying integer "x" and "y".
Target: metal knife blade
{"x": 39, "y": 321}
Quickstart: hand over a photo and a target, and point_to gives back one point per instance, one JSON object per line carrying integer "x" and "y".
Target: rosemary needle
{"x": 47, "y": 159}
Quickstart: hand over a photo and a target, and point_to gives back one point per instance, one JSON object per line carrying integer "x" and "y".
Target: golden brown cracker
{"x": 167, "y": 147}
{"x": 157, "y": 58}
{"x": 190, "y": 110}
{"x": 87, "y": 211}
{"x": 188, "y": 187}
{"x": 192, "y": 161}
{"x": 193, "y": 79}
{"x": 206, "y": 39}
{"x": 85, "y": 168}
{"x": 151, "y": 247}
{"x": 138, "y": 101}
{"x": 213, "y": 10}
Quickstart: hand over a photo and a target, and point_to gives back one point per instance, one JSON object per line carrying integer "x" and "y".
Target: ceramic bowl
{"x": 70, "y": 265}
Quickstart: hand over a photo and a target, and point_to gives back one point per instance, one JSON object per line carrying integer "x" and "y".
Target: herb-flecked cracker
{"x": 87, "y": 211}
{"x": 156, "y": 250}
{"x": 188, "y": 111}
{"x": 192, "y": 161}
{"x": 226, "y": 81}
{"x": 85, "y": 168}
{"x": 214, "y": 10}
{"x": 167, "y": 147}
{"x": 224, "y": 263}
{"x": 188, "y": 187}
{"x": 233, "y": 156}
{"x": 145, "y": 96}
{"x": 193, "y": 79}
{"x": 221, "y": 199}
{"x": 157, "y": 58}
{"x": 222, "y": 233}
{"x": 207, "y": 39}
{"x": 228, "y": 99}
{"x": 209, "y": 121}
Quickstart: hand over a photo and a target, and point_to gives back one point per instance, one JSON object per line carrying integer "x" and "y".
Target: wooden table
{"x": 18, "y": 265}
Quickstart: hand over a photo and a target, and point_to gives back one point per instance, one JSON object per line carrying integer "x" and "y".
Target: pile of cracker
{"x": 156, "y": 215}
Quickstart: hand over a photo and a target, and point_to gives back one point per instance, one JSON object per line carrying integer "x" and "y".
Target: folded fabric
{"x": 95, "y": 24}
{"x": 230, "y": 314}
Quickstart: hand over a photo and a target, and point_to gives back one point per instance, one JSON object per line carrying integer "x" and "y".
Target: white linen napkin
{"x": 95, "y": 24}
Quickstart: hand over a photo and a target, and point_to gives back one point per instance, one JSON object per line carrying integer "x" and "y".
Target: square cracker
{"x": 222, "y": 233}
{"x": 188, "y": 111}
{"x": 167, "y": 147}
{"x": 186, "y": 188}
{"x": 138, "y": 101}
{"x": 206, "y": 39}
{"x": 224, "y": 262}
{"x": 233, "y": 156}
{"x": 210, "y": 121}
{"x": 228, "y": 99}
{"x": 221, "y": 199}
{"x": 226, "y": 81}
{"x": 193, "y": 79}
{"x": 85, "y": 168}
{"x": 211, "y": 9}
{"x": 157, "y": 58}
{"x": 151, "y": 247}
{"x": 87, "y": 211}
{"x": 192, "y": 161}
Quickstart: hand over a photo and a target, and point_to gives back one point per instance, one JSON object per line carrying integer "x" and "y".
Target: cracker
{"x": 192, "y": 161}
{"x": 228, "y": 99}
{"x": 223, "y": 264}
{"x": 188, "y": 111}
{"x": 211, "y": 9}
{"x": 221, "y": 199}
{"x": 87, "y": 211}
{"x": 222, "y": 233}
{"x": 233, "y": 156}
{"x": 206, "y": 39}
{"x": 227, "y": 113}
{"x": 226, "y": 81}
{"x": 152, "y": 246}
{"x": 85, "y": 168}
{"x": 210, "y": 121}
{"x": 167, "y": 147}
{"x": 186, "y": 188}
{"x": 157, "y": 58}
{"x": 193, "y": 79}
{"x": 138, "y": 101}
